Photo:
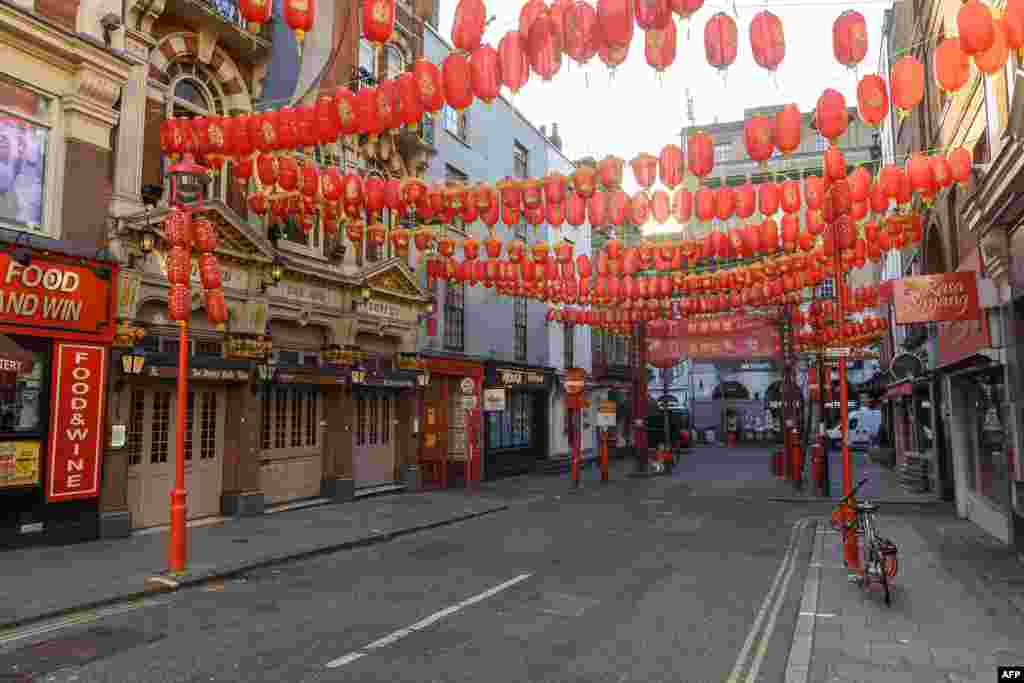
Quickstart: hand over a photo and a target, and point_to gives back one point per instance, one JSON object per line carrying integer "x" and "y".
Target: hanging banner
{"x": 79, "y": 375}
{"x": 760, "y": 342}
{"x": 946, "y": 297}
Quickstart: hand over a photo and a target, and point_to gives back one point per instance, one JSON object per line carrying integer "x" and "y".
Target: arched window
{"x": 394, "y": 61}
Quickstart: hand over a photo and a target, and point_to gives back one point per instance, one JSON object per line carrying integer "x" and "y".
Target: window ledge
{"x": 456, "y": 137}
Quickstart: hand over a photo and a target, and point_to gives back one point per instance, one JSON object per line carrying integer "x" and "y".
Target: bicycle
{"x": 881, "y": 562}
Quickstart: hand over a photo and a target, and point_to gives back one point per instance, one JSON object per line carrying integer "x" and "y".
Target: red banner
{"x": 55, "y": 295}
{"x": 76, "y": 426}
{"x": 960, "y": 339}
{"x": 759, "y": 342}
{"x": 933, "y": 298}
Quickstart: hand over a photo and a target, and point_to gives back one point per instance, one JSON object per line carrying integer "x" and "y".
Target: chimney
{"x": 556, "y": 139}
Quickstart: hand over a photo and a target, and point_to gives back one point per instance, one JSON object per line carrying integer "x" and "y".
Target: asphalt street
{"x": 640, "y": 580}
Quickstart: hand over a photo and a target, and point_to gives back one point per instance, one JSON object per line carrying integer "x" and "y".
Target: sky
{"x": 639, "y": 111}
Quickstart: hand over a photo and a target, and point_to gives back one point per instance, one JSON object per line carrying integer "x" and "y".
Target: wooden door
{"x": 435, "y": 420}
{"x": 152, "y": 449}
{"x": 373, "y": 446}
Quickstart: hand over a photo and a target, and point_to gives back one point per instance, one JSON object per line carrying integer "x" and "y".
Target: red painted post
{"x": 604, "y": 455}
{"x": 572, "y": 447}
{"x": 177, "y": 552}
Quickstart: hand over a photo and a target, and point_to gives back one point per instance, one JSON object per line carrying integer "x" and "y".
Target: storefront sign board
{"x": 960, "y": 339}
{"x": 518, "y": 378}
{"x": 76, "y": 435}
{"x": 935, "y": 298}
{"x": 204, "y": 374}
{"x": 606, "y": 414}
{"x": 19, "y": 463}
{"x": 494, "y": 400}
{"x": 55, "y": 295}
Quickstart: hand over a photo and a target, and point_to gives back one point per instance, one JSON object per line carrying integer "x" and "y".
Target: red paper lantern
{"x": 976, "y": 28}
{"x": 255, "y": 13}
{"x": 720, "y": 41}
{"x": 757, "y": 137}
{"x": 179, "y": 265}
{"x": 298, "y": 14}
{"x": 850, "y": 38}
{"x": 670, "y": 166}
{"x": 205, "y": 235}
{"x": 952, "y": 65}
{"x": 645, "y": 169}
{"x": 584, "y": 180}
{"x": 178, "y": 228}
{"x": 767, "y": 40}
{"x": 485, "y": 67}
{"x": 469, "y": 24}
{"x": 682, "y": 205}
{"x": 639, "y": 208}
{"x": 919, "y": 171}
{"x": 768, "y": 199}
{"x": 834, "y": 164}
{"x": 378, "y": 20}
{"x": 661, "y": 206}
{"x": 544, "y": 47}
{"x": 209, "y": 271}
{"x": 907, "y": 79}
{"x": 529, "y": 13}
{"x": 705, "y": 201}
{"x": 961, "y": 163}
{"x": 458, "y": 81}
{"x": 686, "y": 8}
{"x": 612, "y": 55}
{"x": 430, "y": 85}
{"x": 618, "y": 206}
{"x": 872, "y": 99}
{"x": 746, "y": 200}
{"x": 598, "y": 209}
{"x": 609, "y": 172}
{"x": 660, "y": 46}
{"x": 831, "y": 115}
{"x": 941, "y": 170}
{"x": 993, "y": 59}
{"x": 615, "y": 22}
{"x": 790, "y": 196}
{"x": 786, "y": 134}
{"x": 1013, "y": 23}
{"x": 725, "y": 203}
{"x": 580, "y": 32}
{"x": 700, "y": 154}
{"x": 652, "y": 15}
{"x": 179, "y": 303}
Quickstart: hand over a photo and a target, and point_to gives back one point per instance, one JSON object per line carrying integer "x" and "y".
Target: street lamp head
{"x": 277, "y": 270}
{"x": 133, "y": 362}
{"x": 188, "y": 181}
{"x": 366, "y": 294}
{"x": 147, "y": 242}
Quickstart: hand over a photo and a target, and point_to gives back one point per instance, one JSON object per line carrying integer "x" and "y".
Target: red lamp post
{"x": 188, "y": 185}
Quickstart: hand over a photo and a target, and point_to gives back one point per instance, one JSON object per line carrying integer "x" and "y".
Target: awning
{"x": 899, "y": 390}
{"x": 13, "y": 358}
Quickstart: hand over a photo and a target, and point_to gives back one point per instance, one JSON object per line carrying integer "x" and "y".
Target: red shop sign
{"x": 76, "y": 427}
{"x": 959, "y": 339}
{"x": 56, "y": 295}
{"x": 934, "y": 298}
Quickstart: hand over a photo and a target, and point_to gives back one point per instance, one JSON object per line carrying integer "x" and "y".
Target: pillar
{"x": 126, "y": 199}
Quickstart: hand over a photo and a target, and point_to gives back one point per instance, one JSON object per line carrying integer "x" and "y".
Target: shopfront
{"x": 516, "y": 439}
{"x": 56, "y": 328}
{"x": 444, "y": 410}
{"x": 384, "y": 400}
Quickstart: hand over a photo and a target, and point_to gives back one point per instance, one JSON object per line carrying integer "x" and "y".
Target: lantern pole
{"x": 178, "y": 550}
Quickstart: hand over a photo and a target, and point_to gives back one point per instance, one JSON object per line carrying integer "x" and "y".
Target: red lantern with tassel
{"x": 615, "y": 22}
{"x": 786, "y": 133}
{"x": 670, "y": 166}
{"x": 580, "y": 32}
{"x": 907, "y": 79}
{"x": 720, "y": 41}
{"x": 830, "y": 114}
{"x": 514, "y": 62}
{"x": 298, "y": 14}
{"x": 952, "y": 65}
{"x": 660, "y": 47}
{"x": 544, "y": 47}
{"x": 976, "y": 27}
{"x": 458, "y": 80}
{"x": 468, "y": 26}
{"x": 757, "y": 137}
{"x": 850, "y": 38}
{"x": 485, "y": 68}
{"x": 700, "y": 154}
{"x": 767, "y": 40}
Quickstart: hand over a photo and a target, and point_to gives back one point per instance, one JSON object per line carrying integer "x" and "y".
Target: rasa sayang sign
{"x": 54, "y": 295}
{"x": 946, "y": 297}
{"x": 76, "y": 428}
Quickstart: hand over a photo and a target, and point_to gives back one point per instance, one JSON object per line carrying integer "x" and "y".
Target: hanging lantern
{"x": 830, "y": 115}
{"x": 941, "y": 170}
{"x": 746, "y": 200}
{"x": 575, "y": 209}
{"x": 705, "y": 204}
{"x": 757, "y": 137}
{"x": 790, "y": 199}
{"x": 682, "y": 205}
{"x": 907, "y": 79}
{"x": 860, "y": 184}
{"x": 555, "y": 214}
{"x": 872, "y": 99}
{"x": 645, "y": 169}
{"x": 790, "y": 231}
{"x": 767, "y": 40}
{"x": 178, "y": 228}
{"x": 961, "y": 163}
{"x": 468, "y": 26}
{"x": 298, "y": 14}
{"x": 179, "y": 302}
{"x": 850, "y": 38}
{"x": 378, "y": 20}
{"x": 514, "y": 62}
{"x": 209, "y": 271}
{"x": 639, "y": 208}
{"x": 993, "y": 59}
{"x": 786, "y": 132}
{"x": 700, "y": 154}
{"x": 511, "y": 215}
{"x": 670, "y": 166}
{"x": 529, "y": 13}
{"x": 179, "y": 265}
{"x": 768, "y": 199}
{"x": 255, "y": 13}
{"x": 660, "y": 46}
{"x": 205, "y": 235}
{"x": 598, "y": 209}
{"x": 878, "y": 199}
{"x": 652, "y": 15}
{"x": 457, "y": 75}
{"x": 615, "y": 22}
{"x": 618, "y": 207}
{"x": 720, "y": 41}
{"x": 952, "y": 65}
{"x": 661, "y": 206}
{"x": 485, "y": 68}
{"x": 580, "y": 32}
{"x": 555, "y": 186}
{"x": 1013, "y": 24}
{"x": 725, "y": 203}
{"x": 976, "y": 28}
{"x": 609, "y": 172}
{"x": 919, "y": 171}
{"x": 544, "y": 47}
{"x": 834, "y": 164}
{"x": 612, "y": 55}
{"x": 429, "y": 85}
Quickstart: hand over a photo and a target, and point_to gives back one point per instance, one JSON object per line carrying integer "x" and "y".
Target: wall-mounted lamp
{"x": 264, "y": 376}
{"x": 366, "y": 293}
{"x": 275, "y": 273}
{"x": 359, "y": 376}
{"x": 423, "y": 378}
{"x": 132, "y": 364}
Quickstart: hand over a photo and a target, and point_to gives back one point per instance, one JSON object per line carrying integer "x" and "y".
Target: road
{"x": 640, "y": 580}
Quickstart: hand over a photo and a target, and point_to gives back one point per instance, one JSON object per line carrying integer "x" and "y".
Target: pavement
{"x": 699, "y": 576}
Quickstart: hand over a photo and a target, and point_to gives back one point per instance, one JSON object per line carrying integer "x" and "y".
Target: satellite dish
{"x": 906, "y": 366}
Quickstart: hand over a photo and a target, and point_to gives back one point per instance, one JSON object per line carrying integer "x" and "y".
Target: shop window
{"x": 989, "y": 462}
{"x": 520, "y": 160}
{"x": 189, "y": 423}
{"x": 367, "y": 58}
{"x": 513, "y": 427}
{"x": 723, "y": 153}
{"x": 520, "y": 325}
{"x": 208, "y": 427}
{"x": 208, "y": 348}
{"x": 22, "y": 398}
{"x": 160, "y": 427}
{"x": 290, "y": 418}
{"x": 136, "y": 415}
{"x": 24, "y": 139}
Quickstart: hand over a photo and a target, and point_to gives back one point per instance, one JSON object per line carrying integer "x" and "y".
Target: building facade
{"x": 504, "y": 341}
{"x": 955, "y": 408}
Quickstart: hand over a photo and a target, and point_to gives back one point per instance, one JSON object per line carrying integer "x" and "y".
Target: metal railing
{"x": 229, "y": 11}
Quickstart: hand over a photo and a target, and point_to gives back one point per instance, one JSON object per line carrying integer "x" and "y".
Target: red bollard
{"x": 778, "y": 464}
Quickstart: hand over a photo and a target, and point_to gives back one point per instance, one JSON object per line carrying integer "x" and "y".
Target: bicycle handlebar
{"x": 854, "y": 491}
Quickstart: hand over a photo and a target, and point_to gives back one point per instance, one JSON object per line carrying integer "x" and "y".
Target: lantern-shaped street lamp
{"x": 188, "y": 182}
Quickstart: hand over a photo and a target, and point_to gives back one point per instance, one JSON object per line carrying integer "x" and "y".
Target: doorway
{"x": 151, "y": 450}
{"x": 373, "y": 444}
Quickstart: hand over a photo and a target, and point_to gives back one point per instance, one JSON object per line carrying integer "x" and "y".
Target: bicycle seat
{"x": 867, "y": 506}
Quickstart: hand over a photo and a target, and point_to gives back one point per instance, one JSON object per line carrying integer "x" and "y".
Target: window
{"x": 454, "y": 311}
{"x": 188, "y": 424}
{"x": 208, "y": 426}
{"x": 520, "y": 325}
{"x": 394, "y": 61}
{"x": 136, "y": 415}
{"x": 24, "y": 135}
{"x": 512, "y": 427}
{"x": 22, "y": 398}
{"x": 208, "y": 348}
{"x": 568, "y": 343}
{"x": 291, "y": 417}
{"x": 826, "y": 290}
{"x": 367, "y": 58}
{"x": 723, "y": 152}
{"x": 820, "y": 143}
{"x": 160, "y": 427}
{"x": 456, "y": 123}
{"x": 521, "y": 161}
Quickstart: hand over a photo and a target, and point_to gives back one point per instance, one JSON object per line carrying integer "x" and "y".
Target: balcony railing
{"x": 229, "y": 11}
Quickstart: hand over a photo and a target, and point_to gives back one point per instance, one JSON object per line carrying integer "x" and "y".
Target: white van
{"x": 864, "y": 427}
